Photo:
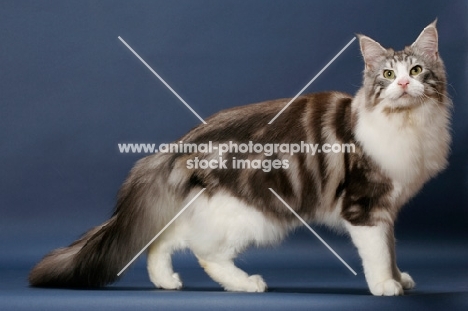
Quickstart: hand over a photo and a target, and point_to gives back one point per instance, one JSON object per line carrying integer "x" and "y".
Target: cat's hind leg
{"x": 216, "y": 251}
{"x": 159, "y": 265}
{"x": 222, "y": 227}
{"x": 231, "y": 277}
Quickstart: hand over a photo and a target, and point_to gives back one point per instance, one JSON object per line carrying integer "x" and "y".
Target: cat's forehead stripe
{"x": 400, "y": 58}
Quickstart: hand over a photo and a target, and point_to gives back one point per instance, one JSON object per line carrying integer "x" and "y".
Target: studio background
{"x": 71, "y": 91}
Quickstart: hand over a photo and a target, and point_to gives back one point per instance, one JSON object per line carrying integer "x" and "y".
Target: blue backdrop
{"x": 71, "y": 91}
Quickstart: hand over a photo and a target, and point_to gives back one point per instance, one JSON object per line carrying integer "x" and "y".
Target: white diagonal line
{"x": 313, "y": 79}
{"x": 160, "y": 232}
{"x": 312, "y": 230}
{"x": 162, "y": 80}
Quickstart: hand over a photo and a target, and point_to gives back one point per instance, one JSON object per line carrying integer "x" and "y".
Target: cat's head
{"x": 401, "y": 80}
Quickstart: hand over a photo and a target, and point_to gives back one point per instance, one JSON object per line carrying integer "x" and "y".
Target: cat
{"x": 399, "y": 123}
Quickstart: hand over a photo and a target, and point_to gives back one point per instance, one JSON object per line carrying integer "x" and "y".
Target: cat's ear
{"x": 372, "y": 51}
{"x": 427, "y": 42}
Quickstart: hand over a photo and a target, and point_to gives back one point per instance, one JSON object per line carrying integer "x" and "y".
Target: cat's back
{"x": 251, "y": 122}
{"x": 264, "y": 110}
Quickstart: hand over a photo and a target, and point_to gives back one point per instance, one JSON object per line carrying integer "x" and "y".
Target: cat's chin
{"x": 405, "y": 95}
{"x": 403, "y": 103}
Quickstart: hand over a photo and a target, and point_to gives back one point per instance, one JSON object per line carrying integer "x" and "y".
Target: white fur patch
{"x": 216, "y": 229}
{"x": 410, "y": 146}
{"x": 394, "y": 91}
{"x": 225, "y": 221}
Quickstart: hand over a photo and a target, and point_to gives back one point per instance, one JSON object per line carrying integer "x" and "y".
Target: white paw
{"x": 257, "y": 284}
{"x": 407, "y": 281}
{"x": 169, "y": 282}
{"x": 387, "y": 288}
{"x": 251, "y": 284}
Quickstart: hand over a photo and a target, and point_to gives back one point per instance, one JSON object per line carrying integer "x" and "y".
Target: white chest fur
{"x": 410, "y": 145}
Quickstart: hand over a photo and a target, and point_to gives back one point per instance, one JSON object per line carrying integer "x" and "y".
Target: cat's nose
{"x": 403, "y": 82}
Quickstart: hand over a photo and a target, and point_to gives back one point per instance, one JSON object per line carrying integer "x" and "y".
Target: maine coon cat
{"x": 398, "y": 122}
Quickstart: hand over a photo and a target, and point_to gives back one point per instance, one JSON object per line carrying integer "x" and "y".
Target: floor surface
{"x": 301, "y": 274}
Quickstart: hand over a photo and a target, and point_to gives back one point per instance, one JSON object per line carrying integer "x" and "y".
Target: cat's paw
{"x": 256, "y": 284}
{"x": 387, "y": 288}
{"x": 407, "y": 281}
{"x": 251, "y": 284}
{"x": 168, "y": 282}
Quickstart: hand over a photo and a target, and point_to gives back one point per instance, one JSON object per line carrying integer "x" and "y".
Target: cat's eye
{"x": 389, "y": 74}
{"x": 416, "y": 70}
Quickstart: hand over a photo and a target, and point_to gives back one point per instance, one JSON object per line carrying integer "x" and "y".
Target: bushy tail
{"x": 95, "y": 259}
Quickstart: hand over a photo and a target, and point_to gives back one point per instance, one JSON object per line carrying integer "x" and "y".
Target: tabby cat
{"x": 398, "y": 123}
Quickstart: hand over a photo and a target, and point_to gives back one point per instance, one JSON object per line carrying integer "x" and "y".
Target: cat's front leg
{"x": 376, "y": 246}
